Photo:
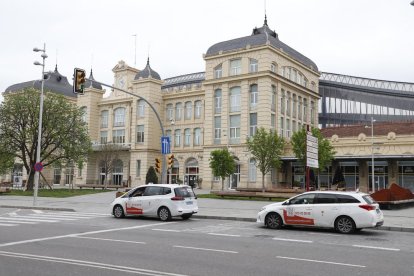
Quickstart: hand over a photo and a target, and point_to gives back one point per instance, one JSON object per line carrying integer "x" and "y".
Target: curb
{"x": 39, "y": 208}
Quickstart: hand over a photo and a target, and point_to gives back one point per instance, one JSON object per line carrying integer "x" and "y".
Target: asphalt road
{"x": 45, "y": 243}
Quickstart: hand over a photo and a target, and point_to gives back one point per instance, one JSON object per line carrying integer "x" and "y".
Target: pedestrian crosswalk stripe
{"x": 41, "y": 216}
{"x": 14, "y": 221}
{"x": 6, "y": 224}
{"x": 76, "y": 215}
{"x": 30, "y": 219}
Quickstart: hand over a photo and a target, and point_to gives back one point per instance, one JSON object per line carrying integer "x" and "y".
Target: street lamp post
{"x": 39, "y": 132}
{"x": 372, "y": 155}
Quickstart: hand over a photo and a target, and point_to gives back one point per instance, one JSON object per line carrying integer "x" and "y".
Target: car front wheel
{"x": 345, "y": 225}
{"x": 273, "y": 221}
{"x": 118, "y": 211}
{"x": 164, "y": 214}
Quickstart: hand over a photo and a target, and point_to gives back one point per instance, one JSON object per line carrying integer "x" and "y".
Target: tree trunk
{"x": 222, "y": 184}
{"x": 263, "y": 186}
{"x": 30, "y": 181}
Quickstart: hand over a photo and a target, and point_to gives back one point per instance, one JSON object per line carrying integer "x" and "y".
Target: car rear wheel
{"x": 186, "y": 216}
{"x": 118, "y": 211}
{"x": 345, "y": 225}
{"x": 164, "y": 214}
{"x": 273, "y": 221}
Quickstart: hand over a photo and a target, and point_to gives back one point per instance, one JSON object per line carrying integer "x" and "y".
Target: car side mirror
{"x": 287, "y": 202}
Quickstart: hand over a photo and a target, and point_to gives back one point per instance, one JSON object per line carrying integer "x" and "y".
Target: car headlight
{"x": 263, "y": 208}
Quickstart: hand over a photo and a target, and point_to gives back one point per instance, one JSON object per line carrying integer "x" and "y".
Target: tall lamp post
{"x": 372, "y": 155}
{"x": 39, "y": 133}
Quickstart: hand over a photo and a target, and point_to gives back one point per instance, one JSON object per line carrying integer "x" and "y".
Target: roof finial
{"x": 56, "y": 67}
{"x": 265, "y": 21}
{"x": 148, "y": 60}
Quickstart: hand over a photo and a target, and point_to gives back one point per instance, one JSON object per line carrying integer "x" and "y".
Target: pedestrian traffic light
{"x": 157, "y": 165}
{"x": 170, "y": 161}
{"x": 78, "y": 80}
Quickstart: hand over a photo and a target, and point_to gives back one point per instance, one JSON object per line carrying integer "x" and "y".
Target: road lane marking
{"x": 84, "y": 234}
{"x": 44, "y": 216}
{"x": 166, "y": 230}
{"x": 28, "y": 219}
{"x": 16, "y": 221}
{"x": 225, "y": 235}
{"x": 316, "y": 261}
{"x": 101, "y": 239}
{"x": 292, "y": 240}
{"x": 375, "y": 247}
{"x": 7, "y": 224}
{"x": 133, "y": 270}
{"x": 38, "y": 211}
{"x": 206, "y": 249}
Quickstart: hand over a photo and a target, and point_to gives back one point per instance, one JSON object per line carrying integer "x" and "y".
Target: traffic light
{"x": 78, "y": 80}
{"x": 157, "y": 165}
{"x": 170, "y": 161}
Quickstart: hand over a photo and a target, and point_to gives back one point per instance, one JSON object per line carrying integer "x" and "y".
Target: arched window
{"x": 217, "y": 101}
{"x": 84, "y": 111}
{"x": 177, "y": 137}
{"x": 141, "y": 108}
{"x": 119, "y": 117}
{"x": 188, "y": 110}
{"x": 170, "y": 112}
{"x": 178, "y": 111}
{"x": 197, "y": 136}
{"x": 252, "y": 169}
{"x": 104, "y": 119}
{"x": 198, "y": 108}
{"x": 235, "y": 99}
{"x": 254, "y": 96}
{"x": 218, "y": 71}
{"x": 187, "y": 137}
{"x": 273, "y": 67}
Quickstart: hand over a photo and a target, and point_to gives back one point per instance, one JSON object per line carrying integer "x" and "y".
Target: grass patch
{"x": 57, "y": 192}
{"x": 213, "y": 196}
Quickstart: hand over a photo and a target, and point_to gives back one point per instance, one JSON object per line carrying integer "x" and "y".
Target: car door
{"x": 152, "y": 200}
{"x": 299, "y": 210}
{"x": 326, "y": 209}
{"x": 134, "y": 202}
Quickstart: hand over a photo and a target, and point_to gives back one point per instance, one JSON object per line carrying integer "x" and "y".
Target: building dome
{"x": 54, "y": 82}
{"x": 259, "y": 37}
{"x": 92, "y": 84}
{"x": 147, "y": 73}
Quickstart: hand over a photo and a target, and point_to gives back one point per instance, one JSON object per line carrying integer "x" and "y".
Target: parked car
{"x": 346, "y": 212}
{"x": 162, "y": 200}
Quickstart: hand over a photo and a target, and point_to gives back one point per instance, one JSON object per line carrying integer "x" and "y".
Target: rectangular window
{"x": 218, "y": 72}
{"x": 273, "y": 101}
{"x": 295, "y": 102}
{"x": 253, "y": 124}
{"x": 282, "y": 102}
{"x": 235, "y": 67}
{"x": 178, "y": 110}
{"x": 197, "y": 111}
{"x": 141, "y": 108}
{"x": 104, "y": 119}
{"x": 234, "y": 128}
{"x": 104, "y": 137}
{"x": 197, "y": 137}
{"x": 253, "y": 66}
{"x": 300, "y": 108}
{"x": 140, "y": 134}
{"x": 272, "y": 121}
{"x": 170, "y": 111}
{"x": 287, "y": 128}
{"x": 187, "y": 137}
{"x": 138, "y": 168}
{"x": 235, "y": 99}
{"x": 312, "y": 111}
{"x": 288, "y": 104}
{"x": 305, "y": 110}
{"x": 177, "y": 135}
{"x": 118, "y": 136}
{"x": 281, "y": 127}
{"x": 217, "y": 129}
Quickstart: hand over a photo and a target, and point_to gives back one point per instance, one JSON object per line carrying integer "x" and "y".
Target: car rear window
{"x": 325, "y": 199}
{"x": 184, "y": 192}
{"x": 368, "y": 199}
{"x": 347, "y": 199}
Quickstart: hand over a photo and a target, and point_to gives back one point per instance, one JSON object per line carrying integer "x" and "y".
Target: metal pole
{"x": 372, "y": 155}
{"x": 39, "y": 132}
{"x": 164, "y": 159}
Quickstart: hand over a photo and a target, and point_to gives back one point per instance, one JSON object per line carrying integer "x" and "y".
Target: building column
{"x": 363, "y": 176}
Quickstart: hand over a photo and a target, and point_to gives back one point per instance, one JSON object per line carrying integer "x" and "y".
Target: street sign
{"x": 38, "y": 167}
{"x": 165, "y": 145}
{"x": 310, "y": 144}
{"x": 312, "y": 155}
{"x": 312, "y": 151}
{"x": 311, "y": 138}
{"x": 312, "y": 163}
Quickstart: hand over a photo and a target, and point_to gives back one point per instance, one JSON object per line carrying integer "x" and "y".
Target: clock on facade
{"x": 121, "y": 82}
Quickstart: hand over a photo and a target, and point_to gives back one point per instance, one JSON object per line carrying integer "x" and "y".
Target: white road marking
{"x": 225, "y": 235}
{"x": 28, "y": 219}
{"x": 6, "y": 224}
{"x": 206, "y": 249}
{"x": 375, "y": 247}
{"x": 84, "y": 234}
{"x": 44, "y": 216}
{"x": 133, "y": 270}
{"x": 38, "y": 211}
{"x": 166, "y": 230}
{"x": 110, "y": 240}
{"x": 292, "y": 240}
{"x": 15, "y": 221}
{"x": 316, "y": 261}
{"x": 75, "y": 215}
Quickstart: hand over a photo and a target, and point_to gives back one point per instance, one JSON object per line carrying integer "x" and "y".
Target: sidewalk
{"x": 242, "y": 210}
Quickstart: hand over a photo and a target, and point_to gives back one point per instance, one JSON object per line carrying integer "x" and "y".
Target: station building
{"x": 248, "y": 82}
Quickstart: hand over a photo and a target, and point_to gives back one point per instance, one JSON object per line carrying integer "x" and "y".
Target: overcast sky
{"x": 366, "y": 38}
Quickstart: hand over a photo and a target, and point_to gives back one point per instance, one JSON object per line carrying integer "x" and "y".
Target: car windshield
{"x": 184, "y": 192}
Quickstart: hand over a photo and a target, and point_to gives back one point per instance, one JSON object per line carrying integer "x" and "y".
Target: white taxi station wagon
{"x": 346, "y": 212}
{"x": 162, "y": 200}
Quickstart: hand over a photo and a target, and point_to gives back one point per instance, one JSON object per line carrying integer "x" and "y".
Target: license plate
{"x": 189, "y": 203}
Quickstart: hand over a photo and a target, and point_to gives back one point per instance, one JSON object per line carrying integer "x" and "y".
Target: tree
{"x": 151, "y": 176}
{"x": 222, "y": 164}
{"x": 64, "y": 134}
{"x": 266, "y": 148}
{"x": 107, "y": 156}
{"x": 326, "y": 151}
{"x": 6, "y": 159}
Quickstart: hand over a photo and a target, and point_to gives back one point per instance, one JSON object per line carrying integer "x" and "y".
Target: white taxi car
{"x": 346, "y": 212}
{"x": 162, "y": 200}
